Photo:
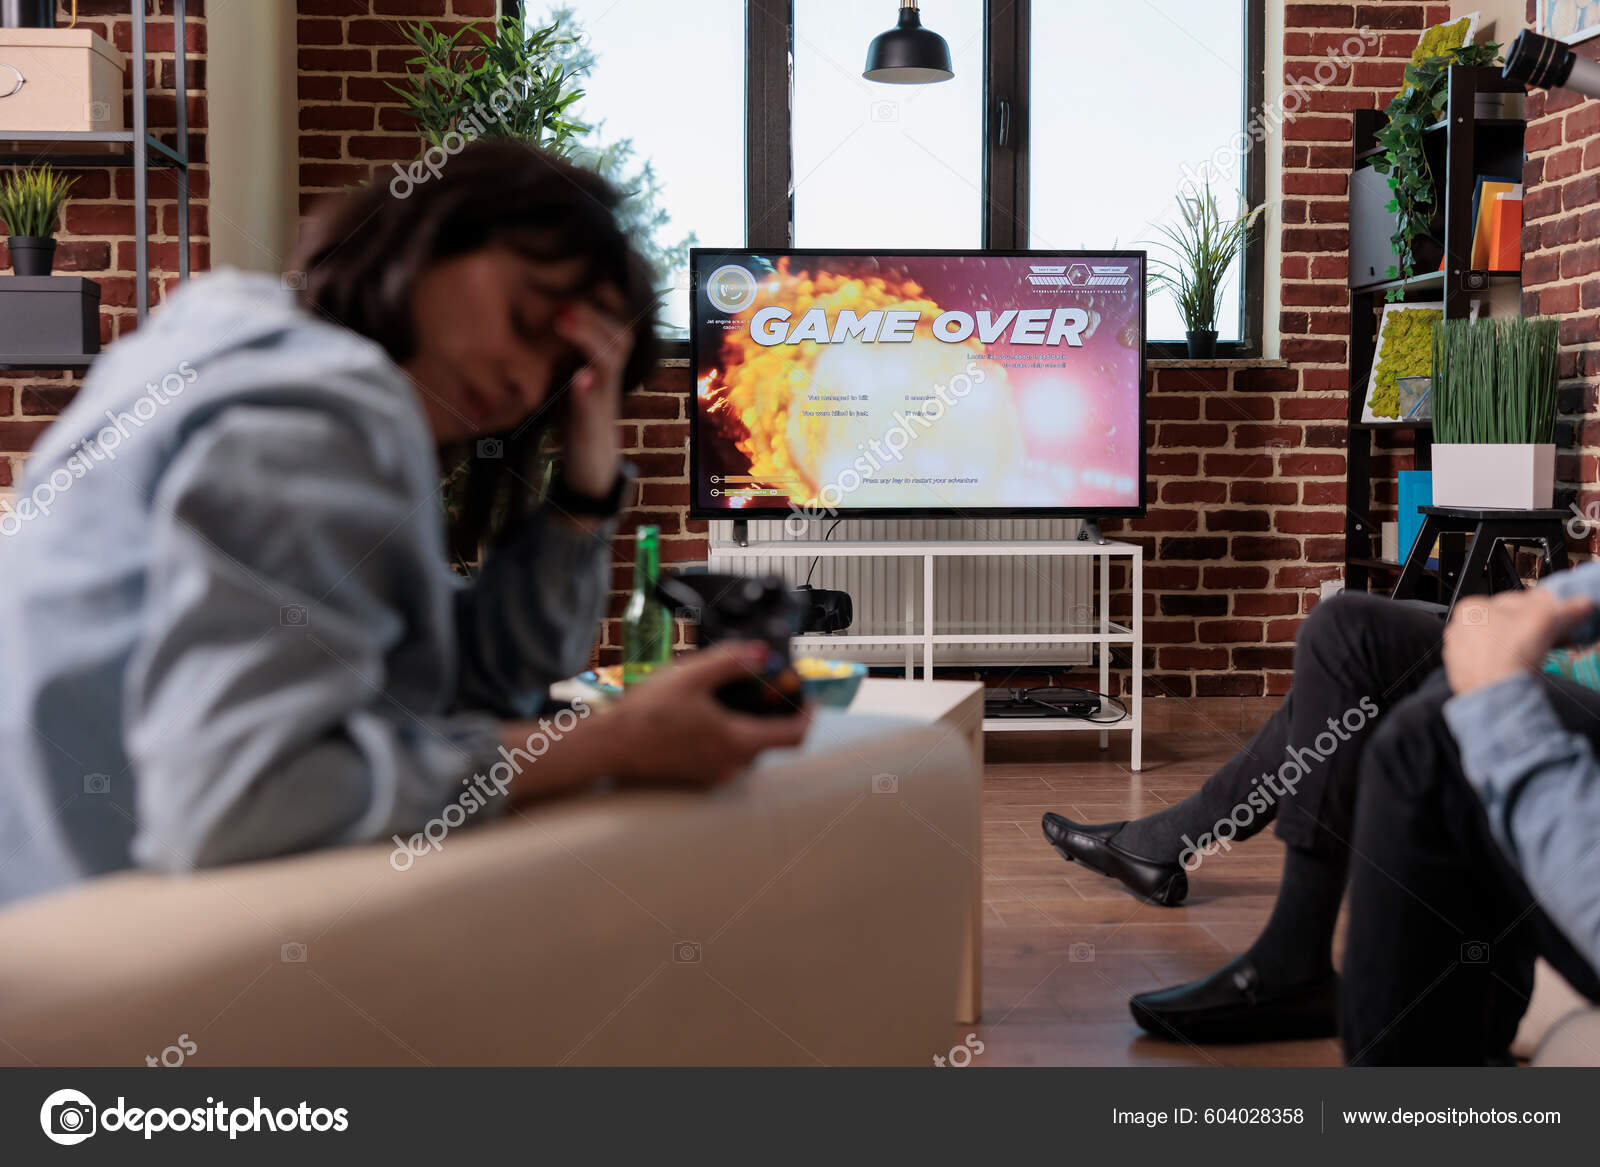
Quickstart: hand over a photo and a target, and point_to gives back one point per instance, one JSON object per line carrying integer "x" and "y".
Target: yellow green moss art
{"x": 1405, "y": 349}
{"x": 1442, "y": 39}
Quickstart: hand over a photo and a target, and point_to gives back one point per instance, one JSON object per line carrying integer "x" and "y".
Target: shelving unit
{"x": 135, "y": 148}
{"x": 1459, "y": 148}
{"x": 1099, "y": 631}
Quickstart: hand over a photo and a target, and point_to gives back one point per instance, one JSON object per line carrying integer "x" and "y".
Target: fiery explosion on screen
{"x": 759, "y": 395}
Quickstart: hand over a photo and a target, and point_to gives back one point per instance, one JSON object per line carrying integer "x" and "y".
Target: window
{"x": 1156, "y": 86}
{"x": 884, "y": 165}
{"x": 664, "y": 97}
{"x": 1069, "y": 124}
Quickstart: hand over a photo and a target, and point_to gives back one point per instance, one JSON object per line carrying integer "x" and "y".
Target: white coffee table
{"x": 957, "y": 705}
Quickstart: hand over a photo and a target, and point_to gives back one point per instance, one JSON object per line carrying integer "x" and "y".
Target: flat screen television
{"x": 949, "y": 384}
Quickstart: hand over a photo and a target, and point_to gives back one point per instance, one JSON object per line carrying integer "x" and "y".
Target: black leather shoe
{"x": 1232, "y": 1005}
{"x": 1162, "y": 883}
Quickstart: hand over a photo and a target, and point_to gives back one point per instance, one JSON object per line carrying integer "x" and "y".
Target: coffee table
{"x": 958, "y": 707}
{"x": 953, "y": 706}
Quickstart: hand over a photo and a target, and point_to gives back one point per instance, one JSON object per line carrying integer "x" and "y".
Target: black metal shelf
{"x": 135, "y": 148}
{"x": 1425, "y": 423}
{"x": 1479, "y": 123}
{"x": 1438, "y": 127}
{"x": 1458, "y": 152}
{"x": 1473, "y": 281}
{"x": 29, "y": 361}
{"x": 74, "y": 148}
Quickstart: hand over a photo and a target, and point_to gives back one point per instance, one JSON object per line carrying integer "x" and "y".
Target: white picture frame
{"x": 1569, "y": 21}
{"x": 1377, "y": 355}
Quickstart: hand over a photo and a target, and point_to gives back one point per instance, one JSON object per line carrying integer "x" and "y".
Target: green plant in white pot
{"x": 1203, "y": 248}
{"x": 1494, "y": 413}
{"x": 30, "y": 206}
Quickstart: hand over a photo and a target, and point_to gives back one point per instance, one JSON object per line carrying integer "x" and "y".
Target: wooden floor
{"x": 1064, "y": 948}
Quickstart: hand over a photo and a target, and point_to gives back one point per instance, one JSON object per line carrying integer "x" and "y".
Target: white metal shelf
{"x": 1100, "y": 632}
{"x": 879, "y": 549}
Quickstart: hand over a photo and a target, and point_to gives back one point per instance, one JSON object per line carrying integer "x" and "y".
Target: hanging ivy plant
{"x": 1404, "y": 161}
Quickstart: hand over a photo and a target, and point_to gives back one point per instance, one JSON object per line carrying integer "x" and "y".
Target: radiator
{"x": 1014, "y": 596}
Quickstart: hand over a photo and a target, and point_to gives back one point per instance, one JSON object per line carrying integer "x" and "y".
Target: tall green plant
{"x": 31, "y": 201}
{"x": 529, "y": 76}
{"x": 517, "y": 83}
{"x": 1404, "y": 161}
{"x": 1494, "y": 381}
{"x": 1203, "y": 247}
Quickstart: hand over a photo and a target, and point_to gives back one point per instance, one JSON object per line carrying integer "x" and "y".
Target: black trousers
{"x": 1443, "y": 931}
{"x": 1355, "y": 657}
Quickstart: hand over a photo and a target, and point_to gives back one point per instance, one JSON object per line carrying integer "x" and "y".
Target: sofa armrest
{"x": 1572, "y": 1041}
{"x": 795, "y": 916}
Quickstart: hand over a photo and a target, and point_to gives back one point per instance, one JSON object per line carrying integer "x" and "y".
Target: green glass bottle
{"x": 646, "y": 624}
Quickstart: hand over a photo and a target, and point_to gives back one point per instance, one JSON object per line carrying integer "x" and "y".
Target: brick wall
{"x": 1561, "y": 269}
{"x": 1247, "y": 466}
{"x": 96, "y": 239}
{"x": 350, "y": 51}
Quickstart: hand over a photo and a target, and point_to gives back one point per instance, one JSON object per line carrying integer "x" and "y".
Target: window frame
{"x": 769, "y": 172}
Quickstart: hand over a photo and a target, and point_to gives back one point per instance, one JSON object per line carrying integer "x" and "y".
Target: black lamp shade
{"x": 908, "y": 54}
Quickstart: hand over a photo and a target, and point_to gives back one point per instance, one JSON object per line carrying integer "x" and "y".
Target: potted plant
{"x": 1494, "y": 413}
{"x": 1204, "y": 247}
{"x": 30, "y": 207}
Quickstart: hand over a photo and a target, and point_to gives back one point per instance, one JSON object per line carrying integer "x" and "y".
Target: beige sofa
{"x": 1561, "y": 1027}
{"x": 812, "y": 912}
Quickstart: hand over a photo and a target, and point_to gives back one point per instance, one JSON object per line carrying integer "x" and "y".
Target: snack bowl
{"x": 829, "y": 682}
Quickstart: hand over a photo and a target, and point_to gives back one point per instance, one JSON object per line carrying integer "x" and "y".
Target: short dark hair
{"x": 362, "y": 258}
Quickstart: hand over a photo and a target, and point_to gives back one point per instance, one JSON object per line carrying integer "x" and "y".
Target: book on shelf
{"x": 1416, "y": 492}
{"x": 1483, "y": 201}
{"x": 1505, "y": 232}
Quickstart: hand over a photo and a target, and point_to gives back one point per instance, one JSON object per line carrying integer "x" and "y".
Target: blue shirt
{"x": 230, "y": 629}
{"x": 1540, "y": 783}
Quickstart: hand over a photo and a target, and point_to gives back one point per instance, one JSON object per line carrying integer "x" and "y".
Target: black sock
{"x": 1167, "y": 834}
{"x": 1296, "y": 946}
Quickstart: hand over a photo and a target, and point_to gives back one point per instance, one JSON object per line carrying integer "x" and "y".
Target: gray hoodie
{"x": 230, "y": 630}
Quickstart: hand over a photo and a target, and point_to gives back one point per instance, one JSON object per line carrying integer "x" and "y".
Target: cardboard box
{"x": 59, "y": 80}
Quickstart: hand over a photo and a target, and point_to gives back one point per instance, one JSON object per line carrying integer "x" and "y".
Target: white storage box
{"x": 1485, "y": 476}
{"x": 59, "y": 80}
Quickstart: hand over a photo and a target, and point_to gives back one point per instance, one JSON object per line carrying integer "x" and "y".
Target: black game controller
{"x": 735, "y": 607}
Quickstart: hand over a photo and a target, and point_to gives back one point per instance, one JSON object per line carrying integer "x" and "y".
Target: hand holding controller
{"x": 758, "y": 609}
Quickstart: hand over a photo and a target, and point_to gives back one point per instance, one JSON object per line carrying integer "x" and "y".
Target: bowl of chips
{"x": 829, "y": 682}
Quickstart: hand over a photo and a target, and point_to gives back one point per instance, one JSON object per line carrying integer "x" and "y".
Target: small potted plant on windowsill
{"x": 1494, "y": 413}
{"x": 1203, "y": 248}
{"x": 30, "y": 206}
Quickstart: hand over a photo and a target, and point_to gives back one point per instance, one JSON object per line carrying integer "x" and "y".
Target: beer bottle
{"x": 646, "y": 623}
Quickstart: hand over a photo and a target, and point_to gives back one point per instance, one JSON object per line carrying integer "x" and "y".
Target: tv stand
{"x": 1090, "y": 533}
{"x": 1093, "y": 627}
{"x": 741, "y": 532}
